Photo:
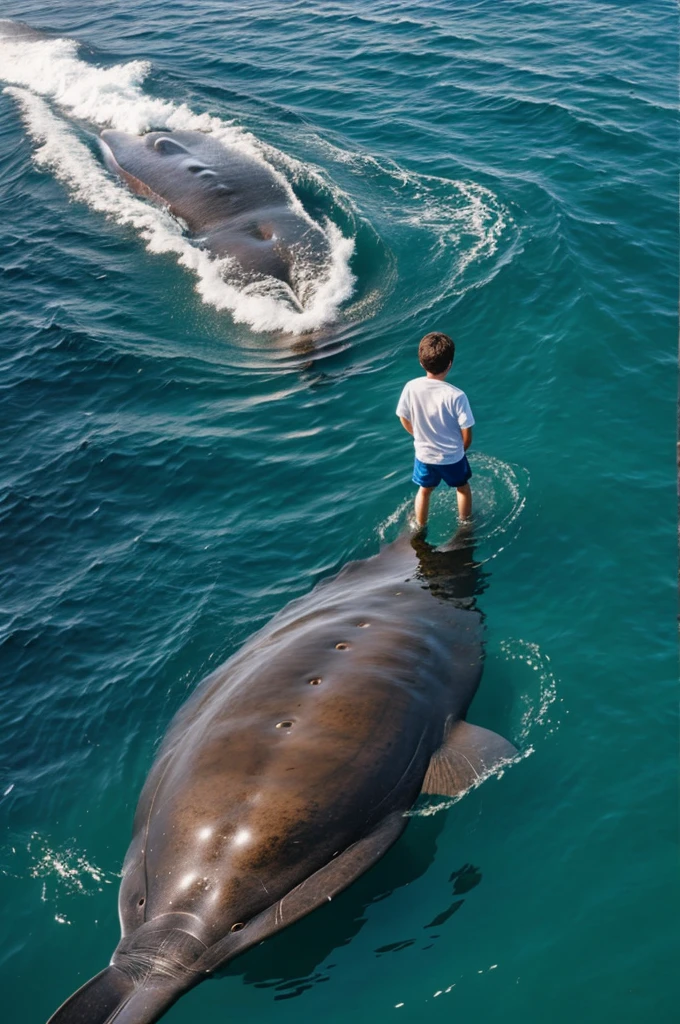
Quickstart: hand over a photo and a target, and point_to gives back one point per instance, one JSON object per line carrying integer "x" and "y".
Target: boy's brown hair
{"x": 436, "y": 352}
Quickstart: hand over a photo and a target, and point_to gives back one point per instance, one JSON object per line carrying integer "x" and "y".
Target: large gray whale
{"x": 290, "y": 770}
{"x": 233, "y": 203}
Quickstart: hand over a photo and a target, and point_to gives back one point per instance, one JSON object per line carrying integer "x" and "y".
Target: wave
{"x": 461, "y": 218}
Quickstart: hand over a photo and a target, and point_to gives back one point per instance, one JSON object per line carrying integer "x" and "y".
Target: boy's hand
{"x": 467, "y": 437}
{"x": 406, "y": 424}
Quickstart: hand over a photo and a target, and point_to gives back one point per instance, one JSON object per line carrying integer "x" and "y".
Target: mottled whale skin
{"x": 233, "y": 203}
{"x": 290, "y": 770}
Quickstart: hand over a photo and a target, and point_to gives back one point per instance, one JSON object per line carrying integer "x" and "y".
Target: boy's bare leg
{"x": 423, "y": 504}
{"x": 464, "y": 495}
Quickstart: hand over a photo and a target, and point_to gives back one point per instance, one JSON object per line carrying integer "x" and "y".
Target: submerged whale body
{"x": 290, "y": 770}
{"x": 234, "y": 204}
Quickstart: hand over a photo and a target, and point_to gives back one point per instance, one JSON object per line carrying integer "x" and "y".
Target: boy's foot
{"x": 415, "y": 528}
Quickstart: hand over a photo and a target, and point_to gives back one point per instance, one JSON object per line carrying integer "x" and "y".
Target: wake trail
{"x": 457, "y": 224}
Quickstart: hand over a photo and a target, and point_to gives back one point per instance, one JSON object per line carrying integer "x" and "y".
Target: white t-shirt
{"x": 438, "y": 412}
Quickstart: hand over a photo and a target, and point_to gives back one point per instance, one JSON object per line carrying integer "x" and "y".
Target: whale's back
{"x": 324, "y": 722}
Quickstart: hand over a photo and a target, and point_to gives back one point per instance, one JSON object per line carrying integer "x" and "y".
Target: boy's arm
{"x": 407, "y": 425}
{"x": 467, "y": 437}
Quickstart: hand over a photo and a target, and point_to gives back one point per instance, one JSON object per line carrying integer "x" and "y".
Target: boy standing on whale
{"x": 439, "y": 417}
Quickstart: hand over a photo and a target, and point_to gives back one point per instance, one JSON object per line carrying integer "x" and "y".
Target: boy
{"x": 439, "y": 417}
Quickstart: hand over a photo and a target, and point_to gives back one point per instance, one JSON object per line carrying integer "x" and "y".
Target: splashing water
{"x": 498, "y": 771}
{"x": 463, "y": 219}
{"x": 540, "y": 694}
{"x": 67, "y": 868}
{"x": 63, "y": 871}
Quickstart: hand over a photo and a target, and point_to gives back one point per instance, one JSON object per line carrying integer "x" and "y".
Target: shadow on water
{"x": 451, "y": 572}
{"x": 296, "y": 959}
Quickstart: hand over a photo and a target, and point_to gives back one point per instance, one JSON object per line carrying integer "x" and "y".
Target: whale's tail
{"x": 113, "y": 997}
{"x": 149, "y": 971}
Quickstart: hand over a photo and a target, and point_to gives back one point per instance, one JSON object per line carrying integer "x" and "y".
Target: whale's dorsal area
{"x": 235, "y": 203}
{"x": 173, "y": 166}
{"x": 20, "y": 30}
{"x": 291, "y": 770}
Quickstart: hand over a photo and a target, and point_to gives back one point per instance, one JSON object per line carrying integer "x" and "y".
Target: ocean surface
{"x": 183, "y": 454}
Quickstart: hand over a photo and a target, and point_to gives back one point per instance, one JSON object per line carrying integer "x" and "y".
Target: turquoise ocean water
{"x": 181, "y": 456}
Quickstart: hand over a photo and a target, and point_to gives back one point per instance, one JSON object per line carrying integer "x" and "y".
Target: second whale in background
{"x": 292, "y": 768}
{"x": 232, "y": 202}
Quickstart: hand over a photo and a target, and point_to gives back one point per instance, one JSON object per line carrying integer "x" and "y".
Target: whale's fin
{"x": 468, "y": 756}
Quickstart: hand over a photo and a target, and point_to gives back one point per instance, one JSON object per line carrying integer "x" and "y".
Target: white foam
{"x": 114, "y": 97}
{"x": 461, "y": 215}
{"x": 464, "y": 219}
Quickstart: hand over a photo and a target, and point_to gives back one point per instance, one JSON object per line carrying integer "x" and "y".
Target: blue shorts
{"x": 428, "y": 474}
